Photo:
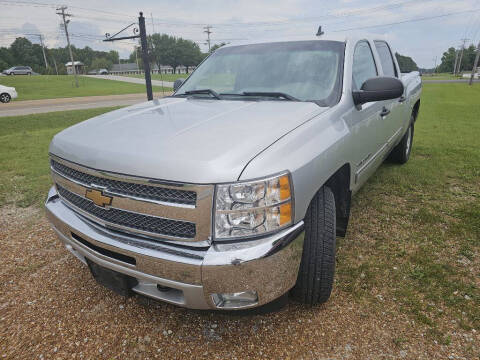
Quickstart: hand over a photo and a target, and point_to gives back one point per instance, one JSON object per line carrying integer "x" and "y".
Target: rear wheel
{"x": 401, "y": 153}
{"x": 317, "y": 268}
{"x": 5, "y": 98}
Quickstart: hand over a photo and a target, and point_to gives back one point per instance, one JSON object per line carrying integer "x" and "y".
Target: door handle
{"x": 402, "y": 99}
{"x": 384, "y": 112}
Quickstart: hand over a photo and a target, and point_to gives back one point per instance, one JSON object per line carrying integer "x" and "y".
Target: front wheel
{"x": 317, "y": 268}
{"x": 5, "y": 98}
{"x": 401, "y": 153}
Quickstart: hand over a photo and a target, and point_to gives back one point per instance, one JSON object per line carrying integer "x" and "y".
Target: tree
{"x": 169, "y": 50}
{"x": 101, "y": 63}
{"x": 406, "y": 63}
{"x": 448, "y": 61}
{"x": 189, "y": 53}
{"x": 216, "y": 46}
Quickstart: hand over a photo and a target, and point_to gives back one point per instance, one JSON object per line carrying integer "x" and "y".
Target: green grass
{"x": 415, "y": 231}
{"x": 52, "y": 86}
{"x": 24, "y": 141}
{"x": 414, "y": 236}
{"x": 164, "y": 77}
{"x": 441, "y": 76}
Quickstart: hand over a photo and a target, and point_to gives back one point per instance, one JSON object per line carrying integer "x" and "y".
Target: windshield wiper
{"x": 203, "y": 91}
{"x": 270, "y": 94}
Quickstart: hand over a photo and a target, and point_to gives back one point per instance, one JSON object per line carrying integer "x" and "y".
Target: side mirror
{"x": 378, "y": 89}
{"x": 177, "y": 84}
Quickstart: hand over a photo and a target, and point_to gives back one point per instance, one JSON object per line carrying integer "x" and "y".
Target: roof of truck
{"x": 342, "y": 37}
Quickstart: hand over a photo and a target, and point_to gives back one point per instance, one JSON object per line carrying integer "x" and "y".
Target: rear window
{"x": 386, "y": 59}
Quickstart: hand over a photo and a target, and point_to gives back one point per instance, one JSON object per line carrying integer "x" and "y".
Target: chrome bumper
{"x": 268, "y": 265}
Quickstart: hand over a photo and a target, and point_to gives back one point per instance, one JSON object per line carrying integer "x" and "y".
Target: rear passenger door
{"x": 365, "y": 121}
{"x": 395, "y": 119}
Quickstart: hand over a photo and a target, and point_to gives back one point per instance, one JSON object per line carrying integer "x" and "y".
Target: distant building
{"x": 124, "y": 67}
{"x": 79, "y": 67}
{"x": 475, "y": 76}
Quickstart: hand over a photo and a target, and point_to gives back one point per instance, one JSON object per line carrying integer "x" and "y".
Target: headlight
{"x": 253, "y": 208}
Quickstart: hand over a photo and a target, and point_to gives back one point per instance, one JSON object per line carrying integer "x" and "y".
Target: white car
{"x": 7, "y": 93}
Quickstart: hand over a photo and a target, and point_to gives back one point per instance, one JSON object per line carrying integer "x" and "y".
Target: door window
{"x": 364, "y": 67}
{"x": 386, "y": 59}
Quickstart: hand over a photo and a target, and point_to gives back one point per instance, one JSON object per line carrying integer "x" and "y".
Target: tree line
{"x": 23, "y": 52}
{"x": 163, "y": 49}
{"x": 448, "y": 59}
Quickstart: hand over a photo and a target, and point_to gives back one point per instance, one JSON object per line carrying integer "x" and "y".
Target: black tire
{"x": 5, "y": 98}
{"x": 401, "y": 153}
{"x": 29, "y": 73}
{"x": 317, "y": 268}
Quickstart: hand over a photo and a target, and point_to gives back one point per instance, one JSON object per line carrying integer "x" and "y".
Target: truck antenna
{"x": 320, "y": 32}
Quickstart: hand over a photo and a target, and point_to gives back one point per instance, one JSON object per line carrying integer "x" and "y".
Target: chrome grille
{"x": 147, "y": 192}
{"x": 146, "y": 223}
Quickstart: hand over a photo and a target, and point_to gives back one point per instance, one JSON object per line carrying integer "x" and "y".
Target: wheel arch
{"x": 339, "y": 183}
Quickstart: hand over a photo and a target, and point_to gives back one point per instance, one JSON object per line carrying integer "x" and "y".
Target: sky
{"x": 422, "y": 29}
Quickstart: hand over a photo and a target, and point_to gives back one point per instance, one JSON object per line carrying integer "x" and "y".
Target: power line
{"x": 408, "y": 20}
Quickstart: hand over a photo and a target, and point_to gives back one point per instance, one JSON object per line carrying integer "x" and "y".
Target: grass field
{"x": 164, "y": 77}
{"x": 24, "y": 144}
{"x": 52, "y": 86}
{"x": 441, "y": 76}
{"x": 414, "y": 240}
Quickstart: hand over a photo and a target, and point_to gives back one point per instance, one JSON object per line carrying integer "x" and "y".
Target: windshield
{"x": 304, "y": 70}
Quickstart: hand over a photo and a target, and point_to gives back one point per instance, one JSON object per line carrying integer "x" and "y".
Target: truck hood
{"x": 180, "y": 139}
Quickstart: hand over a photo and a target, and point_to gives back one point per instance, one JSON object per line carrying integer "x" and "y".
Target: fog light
{"x": 235, "y": 300}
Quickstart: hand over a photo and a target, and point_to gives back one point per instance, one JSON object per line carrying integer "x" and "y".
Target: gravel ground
{"x": 51, "y": 308}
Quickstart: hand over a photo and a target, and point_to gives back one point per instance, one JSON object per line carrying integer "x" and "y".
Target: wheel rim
{"x": 4, "y": 98}
{"x": 409, "y": 141}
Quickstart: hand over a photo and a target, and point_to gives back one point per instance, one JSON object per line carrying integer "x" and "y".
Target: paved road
{"x": 28, "y": 107}
{"x": 132, "y": 80}
{"x": 447, "y": 81}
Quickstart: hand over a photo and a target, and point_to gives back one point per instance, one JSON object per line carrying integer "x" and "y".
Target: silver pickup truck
{"x": 230, "y": 193}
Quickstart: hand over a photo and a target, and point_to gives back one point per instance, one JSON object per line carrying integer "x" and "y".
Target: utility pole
{"x": 208, "y": 32}
{"x": 55, "y": 64}
{"x": 43, "y": 50}
{"x": 65, "y": 26}
{"x": 461, "y": 55}
{"x": 146, "y": 62}
{"x": 143, "y": 42}
{"x": 475, "y": 64}
{"x": 455, "y": 64}
{"x": 40, "y": 36}
{"x": 153, "y": 25}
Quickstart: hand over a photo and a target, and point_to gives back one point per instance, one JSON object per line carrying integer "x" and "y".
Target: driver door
{"x": 365, "y": 120}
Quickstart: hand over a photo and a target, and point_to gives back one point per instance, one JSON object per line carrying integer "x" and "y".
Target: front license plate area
{"x": 120, "y": 283}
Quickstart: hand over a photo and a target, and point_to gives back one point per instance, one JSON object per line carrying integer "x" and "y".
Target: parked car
{"x": 98, "y": 72}
{"x": 7, "y": 94}
{"x": 231, "y": 192}
{"x": 19, "y": 70}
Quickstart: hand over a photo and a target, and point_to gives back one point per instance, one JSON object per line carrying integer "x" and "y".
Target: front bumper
{"x": 268, "y": 265}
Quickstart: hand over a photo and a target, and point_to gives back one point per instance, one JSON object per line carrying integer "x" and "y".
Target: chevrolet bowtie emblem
{"x": 98, "y": 198}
